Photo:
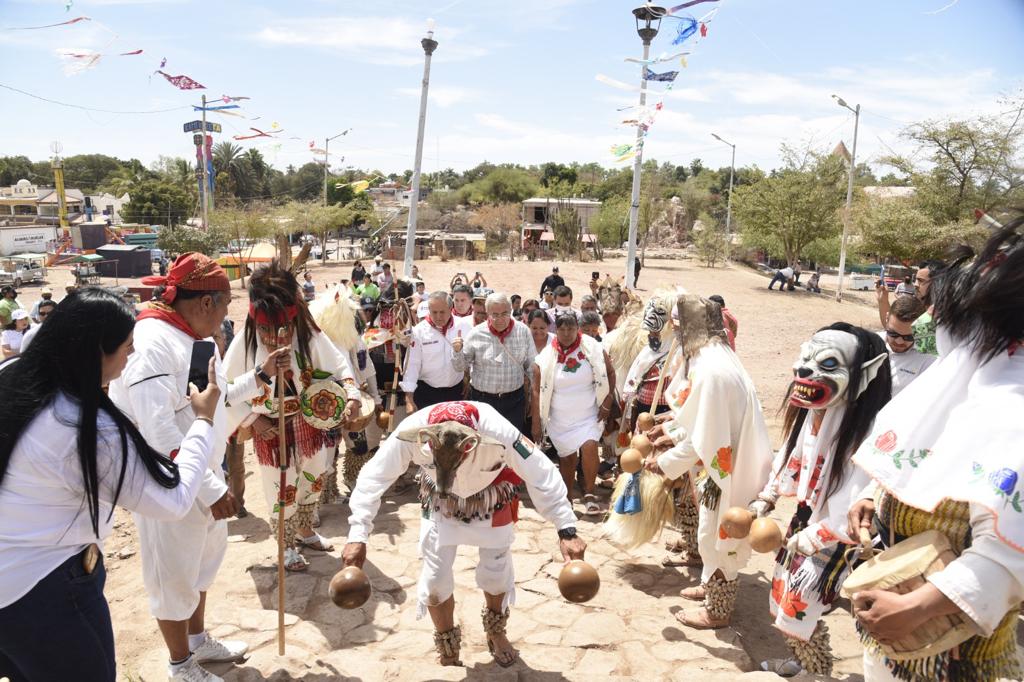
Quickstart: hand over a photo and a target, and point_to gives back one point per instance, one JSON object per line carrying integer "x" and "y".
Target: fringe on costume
{"x": 301, "y": 437}
{"x": 483, "y": 505}
{"x": 629, "y": 531}
{"x": 710, "y": 493}
{"x": 830, "y": 566}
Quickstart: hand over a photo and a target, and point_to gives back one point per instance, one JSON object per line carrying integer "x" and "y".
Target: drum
{"x": 903, "y": 568}
{"x": 366, "y": 409}
{"x": 323, "y": 404}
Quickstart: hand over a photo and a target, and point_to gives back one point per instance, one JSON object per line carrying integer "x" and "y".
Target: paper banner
{"x": 657, "y": 60}
{"x": 63, "y": 23}
{"x": 182, "y": 82}
{"x": 259, "y": 133}
{"x": 219, "y": 107}
{"x": 228, "y": 99}
{"x": 691, "y": 3}
{"x": 668, "y": 76}
{"x": 687, "y": 27}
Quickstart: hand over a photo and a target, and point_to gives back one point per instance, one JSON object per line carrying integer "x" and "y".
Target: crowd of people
{"x": 887, "y": 433}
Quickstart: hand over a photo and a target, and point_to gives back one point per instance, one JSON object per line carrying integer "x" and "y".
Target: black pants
{"x": 60, "y": 630}
{"x": 426, "y": 395}
{"x": 511, "y": 405}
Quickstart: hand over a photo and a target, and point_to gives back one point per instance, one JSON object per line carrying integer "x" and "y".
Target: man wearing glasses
{"x": 906, "y": 362}
{"x": 43, "y": 310}
{"x": 499, "y": 354}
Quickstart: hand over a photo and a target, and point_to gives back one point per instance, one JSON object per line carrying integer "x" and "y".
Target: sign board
{"x": 193, "y": 126}
{"x": 25, "y": 239}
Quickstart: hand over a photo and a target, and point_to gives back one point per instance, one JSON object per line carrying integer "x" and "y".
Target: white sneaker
{"x": 215, "y": 651}
{"x": 192, "y": 672}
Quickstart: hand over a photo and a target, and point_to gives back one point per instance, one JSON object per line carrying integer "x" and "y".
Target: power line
{"x": 84, "y": 108}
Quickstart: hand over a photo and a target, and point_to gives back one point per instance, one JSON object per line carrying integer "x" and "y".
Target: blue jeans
{"x": 60, "y": 630}
{"x": 780, "y": 278}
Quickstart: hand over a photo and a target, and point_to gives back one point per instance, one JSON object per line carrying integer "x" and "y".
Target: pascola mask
{"x": 822, "y": 372}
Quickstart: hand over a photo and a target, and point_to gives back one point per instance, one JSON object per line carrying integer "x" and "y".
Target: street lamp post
{"x": 327, "y": 163}
{"x": 648, "y": 21}
{"x": 849, "y": 194}
{"x": 732, "y": 172}
{"x": 429, "y": 45}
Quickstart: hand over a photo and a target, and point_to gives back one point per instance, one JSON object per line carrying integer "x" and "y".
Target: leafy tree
{"x": 178, "y": 240}
{"x": 156, "y": 202}
{"x": 14, "y": 168}
{"x": 499, "y": 186}
{"x": 611, "y": 222}
{"x": 568, "y": 230}
{"x": 552, "y": 173}
{"x": 314, "y": 218}
{"x": 712, "y": 243}
{"x": 242, "y": 227}
{"x": 88, "y": 171}
{"x": 500, "y": 222}
{"x": 127, "y": 179}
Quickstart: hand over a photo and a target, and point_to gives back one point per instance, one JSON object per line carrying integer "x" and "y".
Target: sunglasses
{"x": 909, "y": 338}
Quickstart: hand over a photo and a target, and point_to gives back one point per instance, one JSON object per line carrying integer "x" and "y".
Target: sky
{"x": 510, "y": 82}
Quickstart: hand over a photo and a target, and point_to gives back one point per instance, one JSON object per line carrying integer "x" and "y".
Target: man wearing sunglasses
{"x": 906, "y": 362}
{"x": 43, "y": 310}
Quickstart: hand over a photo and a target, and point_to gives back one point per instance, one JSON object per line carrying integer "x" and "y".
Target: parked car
{"x": 156, "y": 255}
{"x": 23, "y": 269}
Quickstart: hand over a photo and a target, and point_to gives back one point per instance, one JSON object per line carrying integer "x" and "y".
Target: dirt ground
{"x": 626, "y": 632}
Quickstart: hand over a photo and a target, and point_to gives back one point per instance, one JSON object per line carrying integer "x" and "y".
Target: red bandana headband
{"x": 456, "y": 411}
{"x": 192, "y": 272}
{"x": 264, "y": 320}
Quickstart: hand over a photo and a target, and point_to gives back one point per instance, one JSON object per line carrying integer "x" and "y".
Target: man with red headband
{"x": 180, "y": 559}
{"x": 472, "y": 462}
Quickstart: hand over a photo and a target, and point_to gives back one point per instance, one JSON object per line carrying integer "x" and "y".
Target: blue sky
{"x": 511, "y": 81}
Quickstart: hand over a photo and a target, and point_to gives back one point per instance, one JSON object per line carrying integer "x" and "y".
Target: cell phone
{"x": 595, "y": 275}
{"x": 199, "y": 365}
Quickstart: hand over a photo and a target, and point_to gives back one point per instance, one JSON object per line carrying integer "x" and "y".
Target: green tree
{"x": 242, "y": 227}
{"x": 178, "y": 240}
{"x": 568, "y": 230}
{"x": 156, "y": 202}
{"x": 501, "y": 185}
{"x": 500, "y": 223}
{"x": 611, "y": 222}
{"x": 893, "y": 228}
{"x": 711, "y": 242}
{"x": 14, "y": 168}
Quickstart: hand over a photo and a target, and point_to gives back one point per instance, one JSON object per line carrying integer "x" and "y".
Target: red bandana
{"x": 280, "y": 319}
{"x": 455, "y": 411}
{"x": 192, "y": 272}
{"x": 504, "y": 334}
{"x": 167, "y": 314}
{"x": 456, "y": 313}
{"x": 564, "y": 353}
{"x": 448, "y": 326}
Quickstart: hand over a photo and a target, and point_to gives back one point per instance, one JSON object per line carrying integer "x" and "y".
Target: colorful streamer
{"x": 658, "y": 60}
{"x": 687, "y": 27}
{"x": 182, "y": 82}
{"x": 219, "y": 107}
{"x": 691, "y": 3}
{"x": 668, "y": 76}
{"x": 228, "y": 99}
{"x": 63, "y": 23}
{"x": 259, "y": 133}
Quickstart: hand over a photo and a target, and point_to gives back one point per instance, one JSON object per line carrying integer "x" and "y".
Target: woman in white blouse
{"x": 67, "y": 457}
{"x": 11, "y": 339}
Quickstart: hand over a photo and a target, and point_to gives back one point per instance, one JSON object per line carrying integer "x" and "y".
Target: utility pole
{"x": 327, "y": 146}
{"x": 205, "y": 198}
{"x": 429, "y": 45}
{"x": 648, "y": 21}
{"x": 849, "y": 195}
{"x": 732, "y": 172}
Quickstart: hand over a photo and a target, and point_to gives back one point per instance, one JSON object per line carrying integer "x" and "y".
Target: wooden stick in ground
{"x": 282, "y": 462}
{"x": 664, "y": 371}
{"x": 393, "y": 398}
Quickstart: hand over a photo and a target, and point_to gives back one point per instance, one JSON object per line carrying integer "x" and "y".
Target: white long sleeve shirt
{"x": 543, "y": 482}
{"x": 430, "y": 355}
{"x": 45, "y": 519}
{"x": 152, "y": 392}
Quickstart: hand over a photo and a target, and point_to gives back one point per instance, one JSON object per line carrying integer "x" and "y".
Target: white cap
{"x": 19, "y": 314}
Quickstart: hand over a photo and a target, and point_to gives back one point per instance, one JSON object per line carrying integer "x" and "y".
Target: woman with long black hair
{"x": 67, "y": 457}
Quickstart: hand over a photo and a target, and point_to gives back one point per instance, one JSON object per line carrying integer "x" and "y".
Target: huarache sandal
{"x": 590, "y": 505}
{"x": 315, "y": 542}
{"x": 494, "y": 626}
{"x": 294, "y": 562}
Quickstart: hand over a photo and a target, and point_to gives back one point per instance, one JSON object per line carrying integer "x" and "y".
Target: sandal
{"x": 591, "y": 506}
{"x": 293, "y": 561}
{"x": 494, "y": 624}
{"x": 686, "y": 559}
{"x": 315, "y": 542}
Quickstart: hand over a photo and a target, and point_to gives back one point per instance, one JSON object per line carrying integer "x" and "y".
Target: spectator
{"x": 732, "y": 327}
{"x": 479, "y": 282}
{"x": 162, "y": 266}
{"x": 429, "y": 377}
{"x": 13, "y": 334}
{"x": 636, "y": 270}
{"x": 358, "y": 272}
{"x": 517, "y": 308}
{"x": 529, "y": 305}
{"x": 368, "y": 310}
{"x": 67, "y": 458}
{"x": 420, "y": 300}
{"x": 8, "y": 304}
{"x": 906, "y": 287}
{"x": 590, "y": 324}
{"x": 783, "y": 276}
{"x": 308, "y": 287}
{"x": 368, "y": 289}
{"x": 479, "y": 309}
{"x": 385, "y": 280}
{"x": 462, "y": 296}
{"x": 552, "y": 281}
{"x": 905, "y": 361}
{"x": 547, "y": 301}
{"x": 47, "y": 295}
{"x": 415, "y": 273}
{"x": 538, "y": 323}
{"x": 797, "y": 270}
{"x": 562, "y": 305}
{"x": 812, "y": 283}
{"x": 499, "y": 355}
{"x": 46, "y": 308}
{"x": 377, "y": 267}
{"x": 572, "y": 380}
{"x": 588, "y": 304}
{"x": 924, "y": 326}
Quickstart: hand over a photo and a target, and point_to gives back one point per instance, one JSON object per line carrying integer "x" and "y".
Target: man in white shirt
{"x": 462, "y": 299}
{"x": 783, "y": 276}
{"x": 180, "y": 559}
{"x": 429, "y": 377}
{"x": 905, "y": 361}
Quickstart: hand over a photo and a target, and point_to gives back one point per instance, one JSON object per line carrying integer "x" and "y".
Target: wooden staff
{"x": 282, "y": 462}
{"x": 664, "y": 371}
{"x": 393, "y": 398}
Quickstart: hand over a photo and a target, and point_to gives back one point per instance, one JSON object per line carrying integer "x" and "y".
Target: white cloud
{"x": 389, "y": 40}
{"x": 443, "y": 95}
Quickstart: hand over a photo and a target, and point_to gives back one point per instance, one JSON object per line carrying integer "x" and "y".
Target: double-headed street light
{"x": 429, "y": 45}
{"x": 648, "y": 21}
{"x": 849, "y": 193}
{"x": 327, "y": 163}
{"x": 732, "y": 172}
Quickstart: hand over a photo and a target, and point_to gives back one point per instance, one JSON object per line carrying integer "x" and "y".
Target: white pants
{"x": 494, "y": 573}
{"x": 727, "y": 556}
{"x": 180, "y": 559}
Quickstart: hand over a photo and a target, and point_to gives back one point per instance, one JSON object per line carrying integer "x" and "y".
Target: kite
{"x": 358, "y": 186}
{"x": 182, "y": 82}
{"x": 83, "y": 61}
{"x": 228, "y": 99}
{"x": 668, "y": 76}
{"x": 687, "y": 27}
{"x": 691, "y": 3}
{"x": 317, "y": 150}
{"x": 63, "y": 23}
{"x": 259, "y": 133}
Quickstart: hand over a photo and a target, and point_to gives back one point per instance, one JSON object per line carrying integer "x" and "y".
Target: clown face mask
{"x": 822, "y": 373}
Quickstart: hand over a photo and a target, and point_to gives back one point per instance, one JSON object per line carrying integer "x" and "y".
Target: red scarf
{"x": 165, "y": 313}
{"x": 502, "y": 335}
{"x": 564, "y": 353}
{"x": 448, "y": 326}
{"x": 456, "y": 313}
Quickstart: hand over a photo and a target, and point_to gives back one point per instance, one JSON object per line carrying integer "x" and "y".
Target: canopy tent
{"x": 87, "y": 258}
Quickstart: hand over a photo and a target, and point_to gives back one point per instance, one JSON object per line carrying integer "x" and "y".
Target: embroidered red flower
{"x": 886, "y": 442}
{"x": 682, "y": 396}
{"x": 826, "y": 536}
{"x": 289, "y": 494}
{"x": 778, "y": 587}
{"x": 792, "y": 605}
{"x": 318, "y": 484}
{"x": 723, "y": 461}
{"x": 581, "y": 356}
{"x": 722, "y": 535}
